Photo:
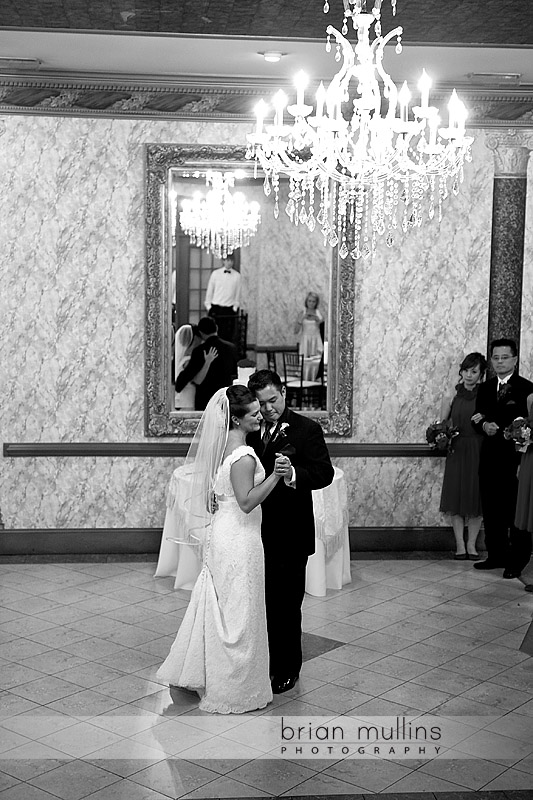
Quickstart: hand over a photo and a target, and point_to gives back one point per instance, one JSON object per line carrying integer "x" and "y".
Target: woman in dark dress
{"x": 460, "y": 488}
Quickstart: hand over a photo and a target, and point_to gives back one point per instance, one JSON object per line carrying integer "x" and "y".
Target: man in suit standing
{"x": 219, "y": 356}
{"x": 500, "y": 400}
{"x": 288, "y": 525}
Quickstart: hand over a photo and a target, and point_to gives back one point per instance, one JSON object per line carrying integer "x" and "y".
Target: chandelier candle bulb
{"x": 462, "y": 114}
{"x": 279, "y": 102}
{"x": 454, "y": 109}
{"x": 300, "y": 82}
{"x": 434, "y": 121}
{"x": 320, "y": 99}
{"x": 424, "y": 84}
{"x": 260, "y": 112}
{"x": 404, "y": 95}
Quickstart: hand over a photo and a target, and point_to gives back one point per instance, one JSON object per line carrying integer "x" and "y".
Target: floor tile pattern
{"x": 82, "y": 714}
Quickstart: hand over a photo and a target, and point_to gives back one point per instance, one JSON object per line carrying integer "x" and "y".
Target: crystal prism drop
{"x": 365, "y": 251}
{"x": 455, "y": 188}
{"x": 311, "y": 222}
{"x": 266, "y": 186}
{"x": 289, "y": 209}
{"x": 343, "y": 250}
{"x": 276, "y": 210}
{"x": 326, "y": 7}
{"x": 389, "y": 240}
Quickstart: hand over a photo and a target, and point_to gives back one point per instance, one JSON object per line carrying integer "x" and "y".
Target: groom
{"x": 288, "y": 525}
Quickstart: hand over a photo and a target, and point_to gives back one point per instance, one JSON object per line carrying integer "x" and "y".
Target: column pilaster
{"x": 511, "y": 155}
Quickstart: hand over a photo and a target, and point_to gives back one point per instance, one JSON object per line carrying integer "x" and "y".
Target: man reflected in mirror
{"x": 223, "y": 297}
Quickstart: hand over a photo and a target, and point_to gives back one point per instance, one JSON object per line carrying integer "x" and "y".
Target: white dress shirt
{"x": 224, "y": 289}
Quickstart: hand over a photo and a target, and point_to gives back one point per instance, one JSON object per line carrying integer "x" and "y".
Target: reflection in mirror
{"x": 291, "y": 307}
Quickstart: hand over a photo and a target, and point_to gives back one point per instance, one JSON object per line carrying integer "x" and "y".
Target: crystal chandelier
{"x": 376, "y": 163}
{"x": 220, "y": 221}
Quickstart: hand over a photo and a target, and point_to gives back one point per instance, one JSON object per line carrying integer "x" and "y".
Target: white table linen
{"x": 328, "y": 568}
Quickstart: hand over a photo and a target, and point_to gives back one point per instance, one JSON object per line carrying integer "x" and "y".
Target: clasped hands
{"x": 282, "y": 466}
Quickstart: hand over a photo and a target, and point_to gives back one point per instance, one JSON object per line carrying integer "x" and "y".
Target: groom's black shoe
{"x": 511, "y": 573}
{"x": 280, "y": 685}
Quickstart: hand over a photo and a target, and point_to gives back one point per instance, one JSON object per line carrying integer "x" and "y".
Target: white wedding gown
{"x": 221, "y": 649}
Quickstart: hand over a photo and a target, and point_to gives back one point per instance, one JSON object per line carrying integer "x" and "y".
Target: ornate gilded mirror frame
{"x": 160, "y": 420}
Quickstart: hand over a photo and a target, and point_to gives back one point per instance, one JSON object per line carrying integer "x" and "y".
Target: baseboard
{"x": 80, "y": 541}
{"x": 404, "y": 539}
{"x": 134, "y": 541}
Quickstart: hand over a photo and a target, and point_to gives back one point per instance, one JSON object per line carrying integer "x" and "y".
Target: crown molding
{"x": 210, "y": 98}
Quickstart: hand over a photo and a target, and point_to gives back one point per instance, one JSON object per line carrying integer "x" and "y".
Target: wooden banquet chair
{"x": 301, "y": 393}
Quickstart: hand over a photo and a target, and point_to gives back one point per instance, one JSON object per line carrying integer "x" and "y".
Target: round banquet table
{"x": 327, "y": 568}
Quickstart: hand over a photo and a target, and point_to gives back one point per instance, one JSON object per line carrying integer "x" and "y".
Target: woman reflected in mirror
{"x": 309, "y": 328}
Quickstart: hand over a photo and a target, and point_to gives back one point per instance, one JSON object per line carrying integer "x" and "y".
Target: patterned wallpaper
{"x": 72, "y": 323}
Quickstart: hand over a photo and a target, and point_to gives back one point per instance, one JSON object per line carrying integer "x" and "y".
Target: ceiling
{"x": 481, "y": 22}
{"x": 205, "y": 56}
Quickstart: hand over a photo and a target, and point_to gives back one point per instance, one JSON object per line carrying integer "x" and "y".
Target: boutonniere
{"x": 282, "y": 431}
{"x": 505, "y": 391}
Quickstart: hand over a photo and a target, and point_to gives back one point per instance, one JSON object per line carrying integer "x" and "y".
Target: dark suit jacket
{"x": 221, "y": 372}
{"x": 288, "y": 524}
{"x": 501, "y": 411}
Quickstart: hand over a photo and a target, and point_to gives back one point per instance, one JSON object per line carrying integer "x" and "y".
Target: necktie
{"x": 267, "y": 434}
{"x": 501, "y": 389}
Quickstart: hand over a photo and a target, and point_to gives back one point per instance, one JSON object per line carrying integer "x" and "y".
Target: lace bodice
{"x": 223, "y": 485}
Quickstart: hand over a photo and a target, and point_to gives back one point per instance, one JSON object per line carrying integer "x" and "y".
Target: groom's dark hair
{"x": 263, "y": 378}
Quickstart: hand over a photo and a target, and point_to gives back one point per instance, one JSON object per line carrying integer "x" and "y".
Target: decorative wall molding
{"x": 162, "y": 448}
{"x": 224, "y": 99}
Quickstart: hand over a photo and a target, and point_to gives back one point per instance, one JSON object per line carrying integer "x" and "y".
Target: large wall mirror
{"x": 279, "y": 266}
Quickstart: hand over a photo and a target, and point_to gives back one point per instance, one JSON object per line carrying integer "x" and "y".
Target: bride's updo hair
{"x": 240, "y": 398}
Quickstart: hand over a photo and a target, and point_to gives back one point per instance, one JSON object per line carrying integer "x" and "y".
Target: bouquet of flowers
{"x": 440, "y": 436}
{"x": 521, "y": 432}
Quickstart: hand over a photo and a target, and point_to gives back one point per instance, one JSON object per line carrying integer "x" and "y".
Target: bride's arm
{"x": 247, "y": 495}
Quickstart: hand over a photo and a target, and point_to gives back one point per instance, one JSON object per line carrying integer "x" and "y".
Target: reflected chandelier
{"x": 376, "y": 163}
{"x": 220, "y": 221}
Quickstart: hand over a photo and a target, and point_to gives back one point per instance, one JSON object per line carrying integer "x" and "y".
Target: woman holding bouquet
{"x": 460, "y": 489}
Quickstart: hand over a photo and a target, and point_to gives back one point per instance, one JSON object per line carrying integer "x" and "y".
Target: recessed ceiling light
{"x": 14, "y": 62}
{"x": 273, "y": 56}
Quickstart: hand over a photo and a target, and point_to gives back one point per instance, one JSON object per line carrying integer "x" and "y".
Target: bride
{"x": 221, "y": 648}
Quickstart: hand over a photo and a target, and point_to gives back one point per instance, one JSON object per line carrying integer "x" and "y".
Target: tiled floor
{"x": 82, "y": 714}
